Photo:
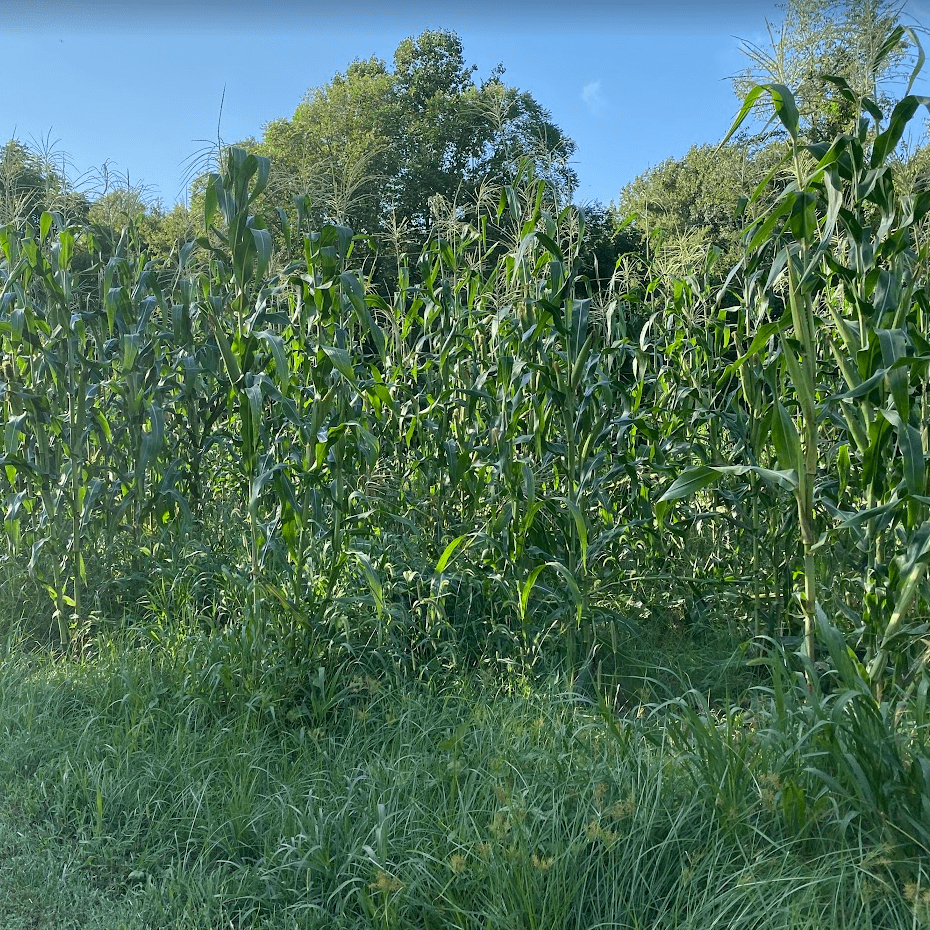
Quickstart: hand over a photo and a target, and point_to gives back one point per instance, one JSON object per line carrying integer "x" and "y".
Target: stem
{"x": 803, "y": 374}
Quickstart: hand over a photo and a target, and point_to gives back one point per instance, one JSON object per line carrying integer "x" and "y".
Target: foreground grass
{"x": 157, "y": 786}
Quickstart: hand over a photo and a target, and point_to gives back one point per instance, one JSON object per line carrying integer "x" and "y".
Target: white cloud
{"x": 593, "y": 99}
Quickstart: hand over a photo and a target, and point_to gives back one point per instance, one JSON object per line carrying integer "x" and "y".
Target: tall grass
{"x": 190, "y": 804}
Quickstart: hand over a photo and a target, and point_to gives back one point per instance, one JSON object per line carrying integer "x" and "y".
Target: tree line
{"x": 386, "y": 150}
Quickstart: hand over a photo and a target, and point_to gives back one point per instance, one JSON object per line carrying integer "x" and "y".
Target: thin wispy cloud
{"x": 593, "y": 98}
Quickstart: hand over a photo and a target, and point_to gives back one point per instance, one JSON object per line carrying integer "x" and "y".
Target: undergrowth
{"x": 181, "y": 797}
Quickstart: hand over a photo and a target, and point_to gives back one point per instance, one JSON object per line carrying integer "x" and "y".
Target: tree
{"x": 338, "y": 148}
{"x": 374, "y": 145}
{"x": 31, "y": 182}
{"x": 605, "y": 241}
{"x": 690, "y": 205}
{"x": 684, "y": 207}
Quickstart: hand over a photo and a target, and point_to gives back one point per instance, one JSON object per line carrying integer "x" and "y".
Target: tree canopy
{"x": 375, "y": 144}
{"x": 31, "y": 181}
{"x": 685, "y": 206}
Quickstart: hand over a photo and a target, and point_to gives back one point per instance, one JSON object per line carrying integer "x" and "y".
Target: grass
{"x": 137, "y": 795}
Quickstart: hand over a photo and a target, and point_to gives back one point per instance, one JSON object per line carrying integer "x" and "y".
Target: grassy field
{"x": 144, "y": 787}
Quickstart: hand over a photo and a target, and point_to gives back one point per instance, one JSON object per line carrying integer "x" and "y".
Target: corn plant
{"x": 838, "y": 248}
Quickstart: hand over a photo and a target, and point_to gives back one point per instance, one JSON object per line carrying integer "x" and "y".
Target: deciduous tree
{"x": 374, "y": 145}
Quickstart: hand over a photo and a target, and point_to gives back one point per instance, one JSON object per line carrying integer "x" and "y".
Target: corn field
{"x": 498, "y": 462}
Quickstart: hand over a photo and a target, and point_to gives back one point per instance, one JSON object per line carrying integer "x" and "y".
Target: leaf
{"x": 693, "y": 479}
{"x": 570, "y": 580}
{"x": 785, "y": 108}
{"x": 214, "y": 307}
{"x": 276, "y": 344}
{"x": 250, "y": 436}
{"x": 550, "y": 245}
{"x": 210, "y": 201}
{"x": 263, "y": 172}
{"x": 689, "y": 482}
{"x": 356, "y": 293}
{"x": 342, "y": 363}
{"x": 448, "y": 552}
{"x": 453, "y": 741}
{"x": 886, "y": 142}
{"x": 263, "y": 249}
{"x": 785, "y": 438}
{"x": 527, "y": 590}
{"x": 844, "y": 660}
{"x": 372, "y": 579}
{"x": 918, "y": 550}
{"x": 65, "y": 249}
{"x": 759, "y": 342}
{"x": 921, "y": 57}
{"x": 912, "y": 451}
{"x": 580, "y": 527}
{"x": 14, "y": 427}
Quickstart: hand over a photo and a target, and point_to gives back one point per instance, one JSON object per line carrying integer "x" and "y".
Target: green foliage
{"x": 184, "y": 796}
{"x": 688, "y": 207}
{"x": 33, "y": 181}
{"x": 542, "y": 447}
{"x": 373, "y": 146}
{"x": 821, "y": 49}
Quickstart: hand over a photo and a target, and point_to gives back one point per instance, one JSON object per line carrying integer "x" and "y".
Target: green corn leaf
{"x": 868, "y": 104}
{"x": 65, "y": 249}
{"x": 130, "y": 343}
{"x": 356, "y": 294}
{"x": 785, "y": 108}
{"x": 17, "y": 325}
{"x": 912, "y": 452}
{"x": 342, "y": 363}
{"x": 210, "y": 201}
{"x": 693, "y": 479}
{"x": 761, "y": 231}
{"x": 580, "y": 526}
{"x": 886, "y": 142}
{"x": 572, "y": 584}
{"x": 852, "y": 521}
{"x": 527, "y": 590}
{"x": 284, "y": 489}
{"x": 851, "y": 672}
{"x": 834, "y": 188}
{"x": 253, "y": 395}
{"x": 260, "y": 481}
{"x": 263, "y": 250}
{"x": 689, "y": 482}
{"x": 262, "y": 173}
{"x": 918, "y": 551}
{"x": 155, "y": 418}
{"x": 282, "y": 370}
{"x": 448, "y": 552}
{"x": 892, "y": 42}
{"x": 13, "y": 429}
{"x": 550, "y": 246}
{"x": 785, "y": 438}
{"x": 893, "y": 344}
{"x": 579, "y": 367}
{"x": 803, "y": 218}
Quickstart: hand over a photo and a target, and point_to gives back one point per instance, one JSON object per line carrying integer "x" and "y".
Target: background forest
{"x": 391, "y": 541}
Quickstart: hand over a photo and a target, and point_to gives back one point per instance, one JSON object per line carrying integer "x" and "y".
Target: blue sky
{"x": 140, "y": 86}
